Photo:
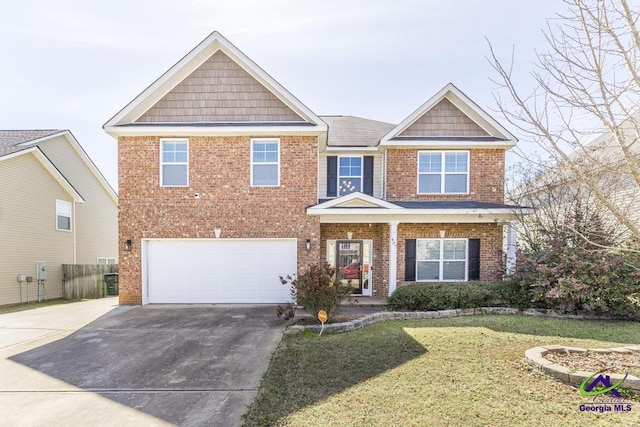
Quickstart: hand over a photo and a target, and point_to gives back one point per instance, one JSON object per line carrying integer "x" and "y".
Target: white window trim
{"x": 162, "y": 140}
{"x": 106, "y": 260}
{"x": 442, "y": 260}
{"x": 338, "y": 176}
{"x": 277, "y": 140}
{"x": 442, "y": 171}
{"x": 70, "y": 215}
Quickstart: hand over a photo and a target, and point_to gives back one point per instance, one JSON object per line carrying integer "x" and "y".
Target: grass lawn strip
{"x": 34, "y": 304}
{"x": 437, "y": 372}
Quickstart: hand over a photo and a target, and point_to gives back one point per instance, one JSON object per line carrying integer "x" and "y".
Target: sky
{"x": 73, "y": 64}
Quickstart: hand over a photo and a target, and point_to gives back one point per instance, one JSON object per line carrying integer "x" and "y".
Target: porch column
{"x": 512, "y": 236}
{"x": 393, "y": 255}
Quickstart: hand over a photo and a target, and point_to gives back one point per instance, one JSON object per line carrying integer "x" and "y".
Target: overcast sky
{"x": 73, "y": 64}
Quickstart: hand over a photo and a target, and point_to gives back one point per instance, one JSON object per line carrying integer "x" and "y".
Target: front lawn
{"x": 437, "y": 372}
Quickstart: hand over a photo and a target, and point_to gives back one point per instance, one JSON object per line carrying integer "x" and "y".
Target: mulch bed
{"x": 590, "y": 361}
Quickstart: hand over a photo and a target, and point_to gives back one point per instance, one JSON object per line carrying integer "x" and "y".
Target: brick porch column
{"x": 393, "y": 255}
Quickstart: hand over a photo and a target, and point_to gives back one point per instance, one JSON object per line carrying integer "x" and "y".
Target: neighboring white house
{"x": 55, "y": 207}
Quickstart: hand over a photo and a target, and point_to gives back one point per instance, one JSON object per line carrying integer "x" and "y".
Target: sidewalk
{"x": 61, "y": 320}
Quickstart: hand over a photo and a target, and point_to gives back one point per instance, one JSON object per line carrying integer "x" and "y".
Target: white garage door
{"x": 219, "y": 270}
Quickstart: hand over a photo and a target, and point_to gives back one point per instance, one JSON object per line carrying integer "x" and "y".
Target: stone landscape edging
{"x": 414, "y": 315}
{"x": 535, "y": 358}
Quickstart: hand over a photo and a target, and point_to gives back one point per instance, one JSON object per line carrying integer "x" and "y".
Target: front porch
{"x": 379, "y": 245}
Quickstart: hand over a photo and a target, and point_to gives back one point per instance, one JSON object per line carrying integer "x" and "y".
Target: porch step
{"x": 365, "y": 301}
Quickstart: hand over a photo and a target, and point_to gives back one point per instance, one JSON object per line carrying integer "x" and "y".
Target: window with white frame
{"x": 105, "y": 260}
{"x": 441, "y": 260}
{"x": 349, "y": 175}
{"x": 443, "y": 172}
{"x": 265, "y": 162}
{"x": 63, "y": 215}
{"x": 174, "y": 163}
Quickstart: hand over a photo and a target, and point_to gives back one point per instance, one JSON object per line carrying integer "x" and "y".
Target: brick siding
{"x": 219, "y": 170}
{"x": 486, "y": 181}
{"x": 490, "y": 235}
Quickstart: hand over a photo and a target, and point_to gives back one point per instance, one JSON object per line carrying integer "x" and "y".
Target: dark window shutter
{"x": 332, "y": 176}
{"x": 367, "y": 178}
{"x": 474, "y": 259}
{"x": 410, "y": 260}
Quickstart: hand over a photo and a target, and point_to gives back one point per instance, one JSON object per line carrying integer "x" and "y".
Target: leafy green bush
{"x": 443, "y": 296}
{"x": 577, "y": 278}
{"x": 512, "y": 294}
{"x": 317, "y": 289}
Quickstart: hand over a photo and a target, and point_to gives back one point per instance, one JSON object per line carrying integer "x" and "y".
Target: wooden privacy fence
{"x": 85, "y": 281}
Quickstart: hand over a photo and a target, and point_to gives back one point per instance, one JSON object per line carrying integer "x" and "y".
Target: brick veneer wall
{"x": 486, "y": 180}
{"x": 219, "y": 170}
{"x": 380, "y": 257}
{"x": 490, "y": 235}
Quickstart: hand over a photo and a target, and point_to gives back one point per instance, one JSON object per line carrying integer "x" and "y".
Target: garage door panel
{"x": 219, "y": 271}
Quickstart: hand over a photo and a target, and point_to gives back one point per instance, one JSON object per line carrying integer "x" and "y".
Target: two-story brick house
{"x": 227, "y": 181}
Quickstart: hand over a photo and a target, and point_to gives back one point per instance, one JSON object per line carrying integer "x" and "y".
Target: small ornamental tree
{"x": 317, "y": 288}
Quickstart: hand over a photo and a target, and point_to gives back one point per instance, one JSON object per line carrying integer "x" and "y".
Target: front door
{"x": 349, "y": 263}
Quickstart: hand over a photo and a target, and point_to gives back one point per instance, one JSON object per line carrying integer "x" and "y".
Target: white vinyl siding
{"x": 63, "y": 215}
{"x": 443, "y": 172}
{"x": 441, "y": 260}
{"x": 174, "y": 163}
{"x": 29, "y": 234}
{"x": 265, "y": 162}
{"x": 96, "y": 220}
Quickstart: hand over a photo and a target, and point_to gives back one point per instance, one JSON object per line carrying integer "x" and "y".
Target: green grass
{"x": 4, "y": 309}
{"x": 439, "y": 372}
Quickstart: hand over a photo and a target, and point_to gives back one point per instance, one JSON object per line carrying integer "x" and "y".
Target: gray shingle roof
{"x": 462, "y": 204}
{"x": 10, "y": 140}
{"x": 351, "y": 131}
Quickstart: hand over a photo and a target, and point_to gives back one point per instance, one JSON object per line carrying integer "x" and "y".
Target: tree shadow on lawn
{"x": 307, "y": 369}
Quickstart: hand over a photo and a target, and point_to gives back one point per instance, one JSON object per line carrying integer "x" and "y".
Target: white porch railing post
{"x": 393, "y": 255}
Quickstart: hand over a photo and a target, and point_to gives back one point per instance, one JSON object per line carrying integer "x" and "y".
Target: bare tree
{"x": 587, "y": 82}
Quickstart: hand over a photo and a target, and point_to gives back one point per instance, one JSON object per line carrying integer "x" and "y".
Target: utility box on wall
{"x": 42, "y": 270}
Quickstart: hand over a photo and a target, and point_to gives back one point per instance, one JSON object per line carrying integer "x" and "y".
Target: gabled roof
{"x": 356, "y": 199}
{"x": 351, "y": 131}
{"x": 121, "y": 123}
{"x": 49, "y": 166}
{"x": 11, "y": 140}
{"x": 18, "y": 142}
{"x": 496, "y": 135}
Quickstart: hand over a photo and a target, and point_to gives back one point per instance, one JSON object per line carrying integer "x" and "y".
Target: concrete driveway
{"x": 188, "y": 365}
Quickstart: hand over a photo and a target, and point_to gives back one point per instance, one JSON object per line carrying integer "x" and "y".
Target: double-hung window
{"x": 349, "y": 175}
{"x": 443, "y": 172}
{"x": 174, "y": 163}
{"x": 265, "y": 162}
{"x": 63, "y": 215}
{"x": 441, "y": 260}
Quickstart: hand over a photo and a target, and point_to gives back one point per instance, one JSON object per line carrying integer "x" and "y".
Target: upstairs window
{"x": 174, "y": 163}
{"x": 349, "y": 175}
{"x": 63, "y": 215}
{"x": 265, "y": 162}
{"x": 443, "y": 172}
